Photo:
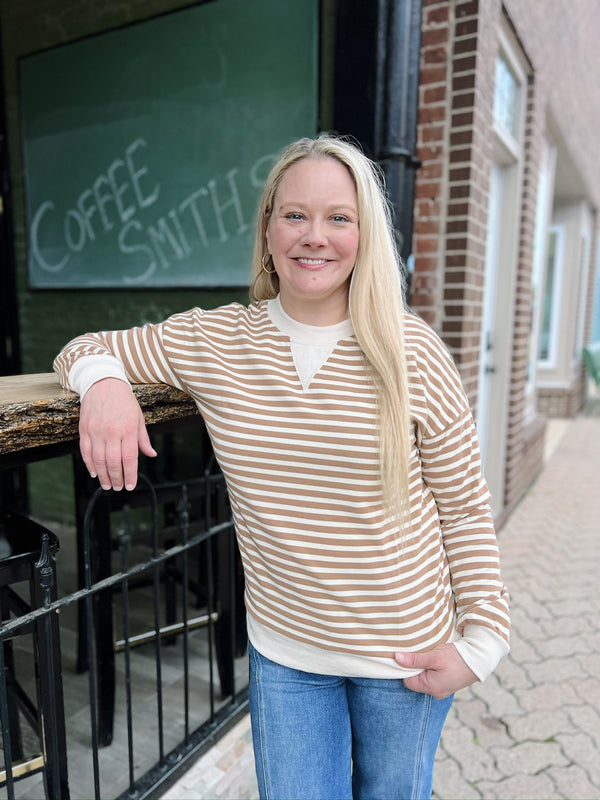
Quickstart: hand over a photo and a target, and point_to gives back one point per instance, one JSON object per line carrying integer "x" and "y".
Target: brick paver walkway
{"x": 532, "y": 730}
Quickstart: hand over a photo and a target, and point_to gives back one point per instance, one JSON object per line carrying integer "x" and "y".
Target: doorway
{"x": 497, "y": 325}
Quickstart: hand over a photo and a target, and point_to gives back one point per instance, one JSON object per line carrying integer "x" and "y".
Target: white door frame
{"x": 502, "y": 252}
{"x": 486, "y": 347}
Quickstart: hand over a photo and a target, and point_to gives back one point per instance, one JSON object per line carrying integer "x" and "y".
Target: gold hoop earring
{"x": 268, "y": 271}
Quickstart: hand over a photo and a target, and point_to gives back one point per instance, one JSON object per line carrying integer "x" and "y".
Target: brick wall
{"x": 459, "y": 48}
{"x": 427, "y": 289}
{"x": 551, "y": 33}
{"x": 561, "y": 402}
{"x": 452, "y": 187}
{"x": 460, "y": 44}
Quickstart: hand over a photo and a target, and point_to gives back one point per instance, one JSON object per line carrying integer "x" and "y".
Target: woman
{"x": 373, "y": 588}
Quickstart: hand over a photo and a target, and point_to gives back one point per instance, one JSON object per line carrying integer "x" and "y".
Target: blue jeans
{"x": 325, "y": 737}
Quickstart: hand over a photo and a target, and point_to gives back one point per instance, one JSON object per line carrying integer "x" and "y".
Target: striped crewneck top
{"x": 333, "y": 585}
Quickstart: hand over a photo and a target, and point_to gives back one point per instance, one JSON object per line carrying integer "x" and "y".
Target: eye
{"x": 294, "y": 215}
{"x": 339, "y": 218}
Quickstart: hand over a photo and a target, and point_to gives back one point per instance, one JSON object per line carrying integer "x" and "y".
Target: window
{"x": 542, "y": 221}
{"x": 551, "y": 300}
{"x": 506, "y": 97}
{"x": 596, "y": 319}
{"x": 582, "y": 301}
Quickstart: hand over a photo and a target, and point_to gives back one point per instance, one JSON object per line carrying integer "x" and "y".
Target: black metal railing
{"x": 164, "y": 636}
{"x": 27, "y": 560}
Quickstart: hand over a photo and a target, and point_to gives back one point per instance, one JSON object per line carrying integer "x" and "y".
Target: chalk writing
{"x": 118, "y": 207}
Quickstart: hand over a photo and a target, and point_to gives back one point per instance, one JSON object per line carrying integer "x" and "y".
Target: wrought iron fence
{"x": 165, "y": 641}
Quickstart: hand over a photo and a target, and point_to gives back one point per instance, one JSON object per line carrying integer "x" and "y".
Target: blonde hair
{"x": 376, "y": 299}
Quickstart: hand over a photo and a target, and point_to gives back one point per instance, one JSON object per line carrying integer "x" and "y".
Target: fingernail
{"x": 130, "y": 487}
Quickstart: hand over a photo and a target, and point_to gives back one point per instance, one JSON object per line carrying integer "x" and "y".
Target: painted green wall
{"x": 48, "y": 319}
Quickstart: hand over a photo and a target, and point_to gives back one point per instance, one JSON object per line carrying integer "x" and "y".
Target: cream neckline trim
{"x": 310, "y": 345}
{"x": 307, "y": 334}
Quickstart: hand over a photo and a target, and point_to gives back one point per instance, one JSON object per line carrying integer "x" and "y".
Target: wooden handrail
{"x": 36, "y": 412}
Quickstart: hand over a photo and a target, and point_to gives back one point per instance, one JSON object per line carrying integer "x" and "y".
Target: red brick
{"x": 465, "y": 63}
{"x": 436, "y": 94}
{"x": 432, "y": 113}
{"x": 433, "y": 37}
{"x": 435, "y": 55}
{"x": 432, "y": 74}
{"x": 436, "y": 16}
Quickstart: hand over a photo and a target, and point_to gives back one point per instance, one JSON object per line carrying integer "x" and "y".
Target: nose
{"x": 314, "y": 235}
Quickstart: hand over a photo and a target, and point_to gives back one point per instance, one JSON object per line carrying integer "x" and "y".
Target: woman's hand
{"x": 443, "y": 671}
{"x": 111, "y": 430}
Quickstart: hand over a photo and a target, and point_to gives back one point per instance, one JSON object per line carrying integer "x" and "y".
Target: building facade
{"x": 506, "y": 224}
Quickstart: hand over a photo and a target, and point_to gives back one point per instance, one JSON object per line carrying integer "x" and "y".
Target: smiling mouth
{"x": 312, "y": 262}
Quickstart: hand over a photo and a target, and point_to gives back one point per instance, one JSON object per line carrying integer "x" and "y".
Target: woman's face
{"x": 312, "y": 236}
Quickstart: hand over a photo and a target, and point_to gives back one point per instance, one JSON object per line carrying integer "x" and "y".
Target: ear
{"x": 268, "y": 238}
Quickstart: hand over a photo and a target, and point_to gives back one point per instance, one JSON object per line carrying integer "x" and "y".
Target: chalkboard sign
{"x": 146, "y": 148}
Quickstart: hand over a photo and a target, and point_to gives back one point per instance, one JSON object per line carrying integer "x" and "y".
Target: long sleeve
{"x": 138, "y": 355}
{"x": 451, "y": 470}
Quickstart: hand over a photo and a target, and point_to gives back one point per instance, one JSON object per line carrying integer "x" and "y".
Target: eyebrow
{"x": 335, "y": 206}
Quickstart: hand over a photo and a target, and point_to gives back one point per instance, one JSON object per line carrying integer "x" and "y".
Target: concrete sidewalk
{"x": 532, "y": 730}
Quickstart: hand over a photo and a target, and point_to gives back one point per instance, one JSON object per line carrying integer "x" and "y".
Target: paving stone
{"x": 581, "y": 750}
{"x": 558, "y": 626}
{"x": 587, "y": 719}
{"x": 247, "y": 735}
{"x": 527, "y": 627}
{"x": 489, "y": 730}
{"x": 539, "y": 725}
{"x": 232, "y": 735}
{"x": 524, "y": 608}
{"x": 204, "y": 778}
{"x": 449, "y": 783}
{"x": 554, "y": 669}
{"x": 592, "y": 639}
{"x": 479, "y": 763}
{"x": 233, "y": 754}
{"x": 522, "y": 786}
{"x": 523, "y": 652}
{"x": 528, "y": 757}
{"x": 452, "y": 720}
{"x": 590, "y": 664}
{"x": 181, "y": 792}
{"x": 588, "y": 689}
{"x": 513, "y": 675}
{"x": 498, "y": 700}
{"x": 573, "y": 608}
{"x": 547, "y": 696}
{"x": 574, "y": 782}
{"x": 239, "y": 782}
{"x": 561, "y": 646}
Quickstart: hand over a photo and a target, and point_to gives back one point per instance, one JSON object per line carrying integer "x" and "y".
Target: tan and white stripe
{"x": 323, "y": 565}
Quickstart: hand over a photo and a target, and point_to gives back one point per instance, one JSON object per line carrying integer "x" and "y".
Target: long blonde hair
{"x": 376, "y": 299}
